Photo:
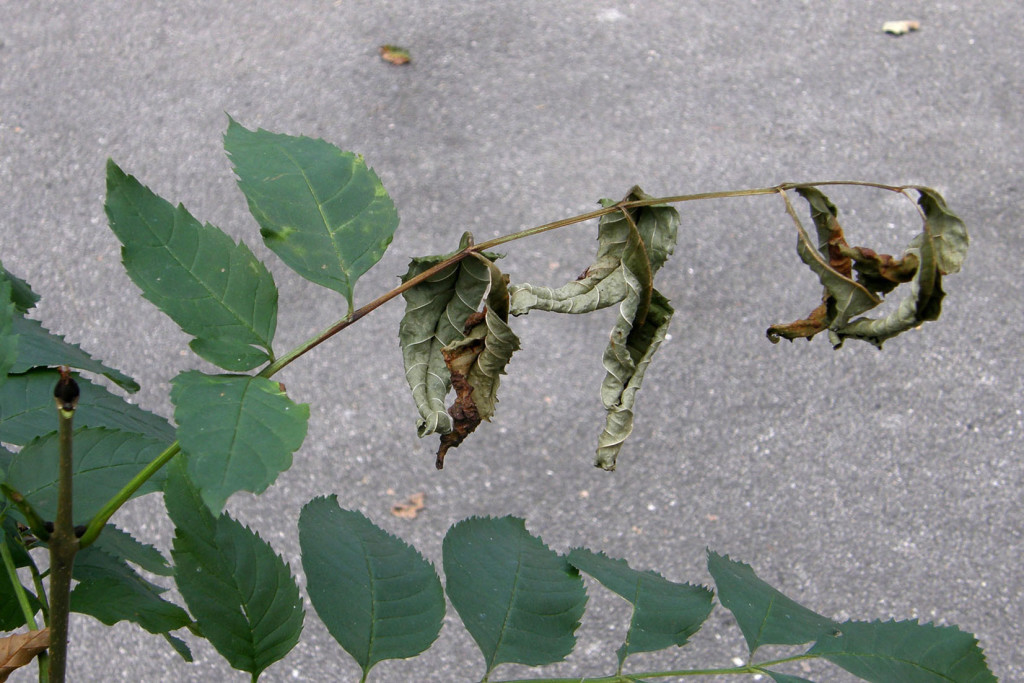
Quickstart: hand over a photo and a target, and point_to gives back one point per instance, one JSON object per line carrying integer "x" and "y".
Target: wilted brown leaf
{"x": 411, "y": 507}
{"x": 394, "y": 54}
{"x": 20, "y": 649}
{"x": 881, "y": 272}
{"x": 465, "y": 415}
{"x": 806, "y": 328}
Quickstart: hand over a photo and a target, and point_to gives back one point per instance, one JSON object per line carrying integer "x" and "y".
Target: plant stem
{"x": 63, "y": 546}
{"x": 679, "y": 673}
{"x": 360, "y": 312}
{"x": 96, "y": 524}
{"x": 353, "y": 316}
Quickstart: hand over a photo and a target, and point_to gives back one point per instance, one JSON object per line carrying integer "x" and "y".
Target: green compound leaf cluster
{"x": 522, "y": 603}
{"x": 328, "y": 217}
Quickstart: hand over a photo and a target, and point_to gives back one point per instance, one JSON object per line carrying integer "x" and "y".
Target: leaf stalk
{"x": 96, "y": 524}
{"x": 359, "y": 313}
{"x": 746, "y": 669}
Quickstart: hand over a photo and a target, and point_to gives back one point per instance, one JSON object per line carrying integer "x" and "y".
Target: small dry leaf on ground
{"x": 411, "y": 507}
{"x": 20, "y": 649}
{"x": 395, "y": 54}
{"x": 898, "y": 28}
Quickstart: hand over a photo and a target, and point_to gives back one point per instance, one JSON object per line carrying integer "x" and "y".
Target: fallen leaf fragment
{"x": 898, "y": 28}
{"x": 411, "y": 507}
{"x": 20, "y": 649}
{"x": 394, "y": 54}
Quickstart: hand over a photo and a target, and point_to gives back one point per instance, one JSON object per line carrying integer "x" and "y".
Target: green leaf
{"x": 521, "y": 601}
{"x": 9, "y": 530}
{"x": 377, "y": 596}
{"x": 185, "y": 505}
{"x": 477, "y": 361}
{"x": 904, "y": 651}
{"x": 765, "y": 616}
{"x": 111, "y": 591}
{"x": 104, "y": 461}
{"x": 664, "y": 613}
{"x": 179, "y": 646}
{"x": 27, "y": 409}
{"x": 37, "y": 347}
{"x": 238, "y": 431}
{"x": 786, "y": 678}
{"x": 322, "y": 210}
{"x": 11, "y": 615}
{"x": 436, "y": 311}
{"x": 124, "y": 546}
{"x": 8, "y": 337}
{"x": 629, "y": 352}
{"x": 242, "y": 594}
{"x": 21, "y": 293}
{"x": 212, "y": 288}
{"x": 6, "y": 458}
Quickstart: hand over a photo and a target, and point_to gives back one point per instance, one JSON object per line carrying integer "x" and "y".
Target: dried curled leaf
{"x": 640, "y": 239}
{"x": 477, "y": 361}
{"x": 20, "y": 649}
{"x": 939, "y": 249}
{"x": 632, "y": 245}
{"x": 843, "y": 297}
{"x": 435, "y": 315}
{"x": 626, "y": 358}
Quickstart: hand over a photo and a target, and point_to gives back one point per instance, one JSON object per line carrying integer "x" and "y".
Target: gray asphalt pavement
{"x": 864, "y": 484}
